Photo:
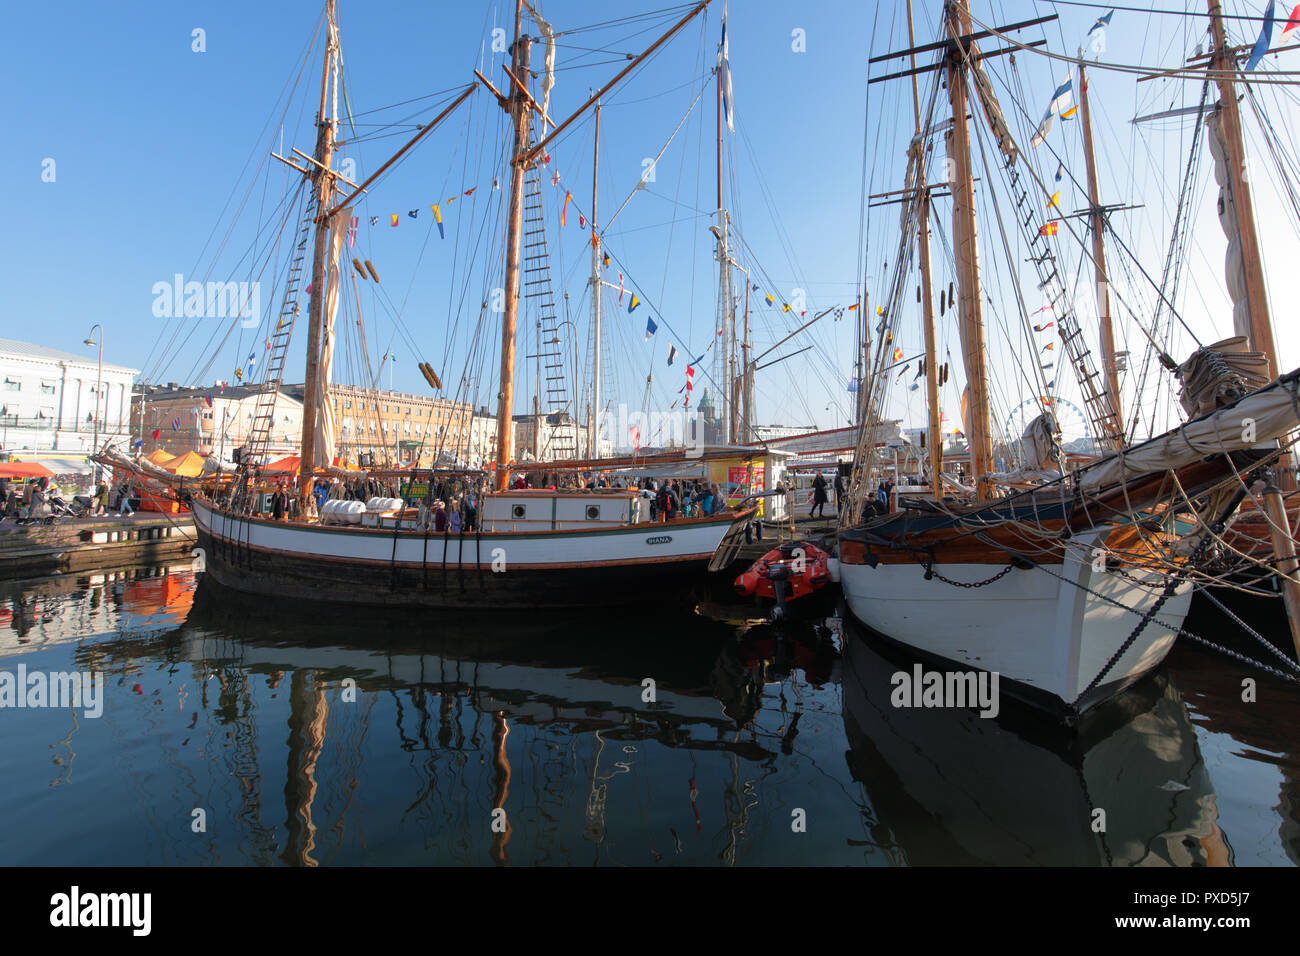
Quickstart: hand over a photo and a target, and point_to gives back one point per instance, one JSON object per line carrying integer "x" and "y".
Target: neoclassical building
{"x": 48, "y": 405}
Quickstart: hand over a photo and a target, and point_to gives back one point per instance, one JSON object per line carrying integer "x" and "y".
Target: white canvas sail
{"x": 324, "y": 407}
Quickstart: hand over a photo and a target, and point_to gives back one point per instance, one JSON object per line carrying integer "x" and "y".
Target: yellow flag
{"x": 1055, "y": 200}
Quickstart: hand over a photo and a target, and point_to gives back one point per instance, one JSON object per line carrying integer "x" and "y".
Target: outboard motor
{"x": 779, "y": 574}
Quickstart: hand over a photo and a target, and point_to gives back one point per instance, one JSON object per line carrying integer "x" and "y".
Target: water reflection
{"x": 308, "y": 737}
{"x": 948, "y": 786}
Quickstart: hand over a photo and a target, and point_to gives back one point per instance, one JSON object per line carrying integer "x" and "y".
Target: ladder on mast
{"x": 536, "y": 289}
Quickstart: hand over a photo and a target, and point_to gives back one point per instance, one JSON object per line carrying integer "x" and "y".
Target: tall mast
{"x": 724, "y": 288}
{"x": 747, "y": 385}
{"x": 1261, "y": 323}
{"x": 519, "y": 113}
{"x": 970, "y": 310}
{"x": 325, "y": 123}
{"x": 933, "y": 437}
{"x": 1110, "y": 368}
{"x": 593, "y": 449}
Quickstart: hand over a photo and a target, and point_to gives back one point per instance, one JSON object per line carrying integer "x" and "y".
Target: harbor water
{"x": 238, "y": 732}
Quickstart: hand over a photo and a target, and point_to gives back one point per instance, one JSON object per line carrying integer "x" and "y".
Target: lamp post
{"x": 99, "y": 376}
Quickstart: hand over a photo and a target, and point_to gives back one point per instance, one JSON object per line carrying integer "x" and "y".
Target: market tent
{"x": 188, "y": 465}
{"x": 288, "y": 465}
{"x": 291, "y": 464}
{"x": 24, "y": 469}
{"x": 159, "y": 457}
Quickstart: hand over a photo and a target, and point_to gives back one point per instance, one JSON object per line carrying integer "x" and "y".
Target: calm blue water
{"x": 312, "y": 737}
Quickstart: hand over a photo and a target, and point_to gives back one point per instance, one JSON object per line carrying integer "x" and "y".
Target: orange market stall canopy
{"x": 24, "y": 469}
{"x": 188, "y": 465}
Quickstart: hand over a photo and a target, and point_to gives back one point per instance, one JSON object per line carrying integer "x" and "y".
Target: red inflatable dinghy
{"x": 799, "y": 565}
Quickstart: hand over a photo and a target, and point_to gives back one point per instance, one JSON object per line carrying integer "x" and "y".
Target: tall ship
{"x": 527, "y": 547}
{"x": 1070, "y": 576}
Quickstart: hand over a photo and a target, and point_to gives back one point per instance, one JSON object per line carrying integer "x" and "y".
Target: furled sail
{"x": 1234, "y": 266}
{"x": 324, "y": 444}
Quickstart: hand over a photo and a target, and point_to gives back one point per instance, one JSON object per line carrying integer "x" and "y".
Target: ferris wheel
{"x": 1069, "y": 417}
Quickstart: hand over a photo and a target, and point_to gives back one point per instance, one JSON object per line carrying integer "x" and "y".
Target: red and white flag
{"x": 352, "y": 231}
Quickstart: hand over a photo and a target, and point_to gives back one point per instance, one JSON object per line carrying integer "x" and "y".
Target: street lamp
{"x": 99, "y": 375}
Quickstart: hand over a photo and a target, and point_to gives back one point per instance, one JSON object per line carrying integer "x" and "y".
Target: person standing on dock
{"x": 839, "y": 493}
{"x": 819, "y": 497}
{"x": 101, "y": 499}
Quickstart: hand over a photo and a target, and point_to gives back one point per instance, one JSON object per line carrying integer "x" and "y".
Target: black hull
{"x": 452, "y": 585}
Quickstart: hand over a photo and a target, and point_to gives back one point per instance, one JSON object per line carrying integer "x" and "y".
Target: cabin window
{"x": 13, "y": 385}
{"x": 518, "y": 512}
{"x": 593, "y": 512}
{"x": 47, "y": 388}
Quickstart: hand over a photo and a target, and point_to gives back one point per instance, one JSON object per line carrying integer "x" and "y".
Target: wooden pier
{"x": 78, "y": 544}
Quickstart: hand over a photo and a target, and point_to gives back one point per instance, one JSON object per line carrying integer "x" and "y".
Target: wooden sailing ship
{"x": 530, "y": 548}
{"x": 1069, "y": 584}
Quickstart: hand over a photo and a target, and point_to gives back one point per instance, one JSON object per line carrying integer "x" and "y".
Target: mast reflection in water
{"x": 241, "y": 732}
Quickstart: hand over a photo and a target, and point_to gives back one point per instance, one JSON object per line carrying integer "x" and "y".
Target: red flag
{"x": 157, "y": 433}
{"x": 1049, "y": 229}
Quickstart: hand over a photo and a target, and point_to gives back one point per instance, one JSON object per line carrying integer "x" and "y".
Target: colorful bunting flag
{"x": 1048, "y": 228}
{"x": 157, "y": 433}
{"x": 632, "y": 303}
{"x": 1060, "y": 171}
{"x": 1054, "y": 202}
{"x": 437, "y": 217}
{"x": 1101, "y": 22}
{"x": 769, "y": 298}
{"x": 395, "y": 219}
{"x": 605, "y": 261}
{"x": 620, "y": 288}
{"x": 672, "y": 353}
{"x": 176, "y": 424}
{"x": 898, "y": 353}
{"x": 374, "y": 220}
{"x": 413, "y": 213}
{"x": 352, "y": 231}
{"x": 564, "y": 210}
{"x": 650, "y": 327}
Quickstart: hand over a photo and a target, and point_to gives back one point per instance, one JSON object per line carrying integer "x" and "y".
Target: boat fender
{"x": 833, "y": 569}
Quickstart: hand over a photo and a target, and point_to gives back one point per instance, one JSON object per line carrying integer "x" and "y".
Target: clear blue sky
{"x": 151, "y": 141}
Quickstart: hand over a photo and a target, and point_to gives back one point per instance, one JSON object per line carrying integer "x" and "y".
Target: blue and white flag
{"x": 1059, "y": 104}
{"x": 1265, "y": 38}
{"x": 672, "y": 353}
{"x": 724, "y": 72}
{"x": 650, "y": 328}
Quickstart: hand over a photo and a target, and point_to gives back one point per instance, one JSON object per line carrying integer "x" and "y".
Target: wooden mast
{"x": 593, "y": 433}
{"x": 519, "y": 108}
{"x": 724, "y": 290}
{"x": 1261, "y": 324}
{"x": 1110, "y": 368}
{"x": 970, "y": 309}
{"x": 933, "y": 436}
{"x": 747, "y": 378}
{"x": 325, "y": 123}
